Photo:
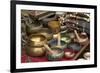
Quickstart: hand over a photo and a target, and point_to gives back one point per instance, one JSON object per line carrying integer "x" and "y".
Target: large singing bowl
{"x": 37, "y": 40}
{"x": 35, "y": 51}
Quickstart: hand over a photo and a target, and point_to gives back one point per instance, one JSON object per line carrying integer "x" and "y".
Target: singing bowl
{"x": 69, "y": 54}
{"x": 65, "y": 38}
{"x": 47, "y": 19}
{"x": 57, "y": 55}
{"x": 74, "y": 46}
{"x": 46, "y": 32}
{"x": 54, "y": 42}
{"x": 85, "y": 25}
{"x": 31, "y": 28}
{"x": 83, "y": 39}
{"x": 37, "y": 40}
{"x": 35, "y": 51}
{"x": 54, "y": 26}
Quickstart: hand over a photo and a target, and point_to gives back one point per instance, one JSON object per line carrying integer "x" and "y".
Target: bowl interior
{"x": 57, "y": 51}
{"x": 37, "y": 38}
{"x": 74, "y": 46}
{"x": 54, "y": 42}
{"x": 45, "y": 31}
{"x": 65, "y": 37}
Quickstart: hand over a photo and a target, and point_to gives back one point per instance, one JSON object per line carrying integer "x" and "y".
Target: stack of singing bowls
{"x": 35, "y": 41}
{"x": 35, "y": 46}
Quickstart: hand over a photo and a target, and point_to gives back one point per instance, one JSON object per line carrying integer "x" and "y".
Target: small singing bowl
{"x": 54, "y": 26}
{"x": 66, "y": 38}
{"x": 83, "y": 39}
{"x": 37, "y": 40}
{"x": 54, "y": 42}
{"x": 69, "y": 54}
{"x": 35, "y": 51}
{"x": 57, "y": 55}
{"x": 74, "y": 46}
{"x": 33, "y": 27}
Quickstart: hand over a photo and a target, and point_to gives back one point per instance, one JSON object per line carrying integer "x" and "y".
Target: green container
{"x": 56, "y": 56}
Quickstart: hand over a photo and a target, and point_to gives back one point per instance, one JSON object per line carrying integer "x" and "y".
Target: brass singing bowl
{"x": 46, "y": 32}
{"x": 54, "y": 26}
{"x": 35, "y": 51}
{"x": 37, "y": 40}
{"x": 30, "y": 28}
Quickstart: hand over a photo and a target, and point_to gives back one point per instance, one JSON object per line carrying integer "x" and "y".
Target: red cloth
{"x": 24, "y": 57}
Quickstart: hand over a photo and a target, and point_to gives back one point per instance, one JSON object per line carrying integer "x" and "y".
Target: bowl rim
{"x": 36, "y": 35}
{"x": 72, "y": 43}
{"x": 58, "y": 54}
